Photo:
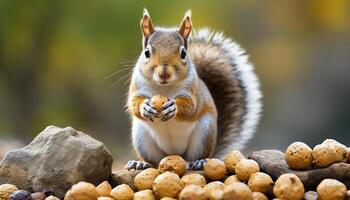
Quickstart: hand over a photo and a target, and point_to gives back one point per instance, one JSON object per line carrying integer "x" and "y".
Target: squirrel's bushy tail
{"x": 224, "y": 67}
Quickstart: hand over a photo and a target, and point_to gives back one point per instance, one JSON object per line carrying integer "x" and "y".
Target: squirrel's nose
{"x": 164, "y": 73}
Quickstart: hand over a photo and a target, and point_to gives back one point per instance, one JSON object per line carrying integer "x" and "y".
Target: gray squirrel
{"x": 213, "y": 95}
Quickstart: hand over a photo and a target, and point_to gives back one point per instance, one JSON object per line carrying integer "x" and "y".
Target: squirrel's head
{"x": 164, "y": 55}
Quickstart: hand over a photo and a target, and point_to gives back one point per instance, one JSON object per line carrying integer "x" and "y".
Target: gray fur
{"x": 228, "y": 74}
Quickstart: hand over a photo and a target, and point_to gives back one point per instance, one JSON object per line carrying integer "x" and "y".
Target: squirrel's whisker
{"x": 117, "y": 72}
{"x": 120, "y": 79}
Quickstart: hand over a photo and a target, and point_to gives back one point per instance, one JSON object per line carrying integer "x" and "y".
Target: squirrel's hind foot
{"x": 197, "y": 164}
{"x": 137, "y": 165}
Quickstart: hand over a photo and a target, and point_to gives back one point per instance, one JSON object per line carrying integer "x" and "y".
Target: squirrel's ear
{"x": 186, "y": 25}
{"x": 146, "y": 24}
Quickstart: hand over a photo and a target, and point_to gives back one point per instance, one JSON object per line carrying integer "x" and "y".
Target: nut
{"x": 173, "y": 163}
{"x": 122, "y": 192}
{"x": 167, "y": 184}
{"x": 82, "y": 191}
{"x": 144, "y": 195}
{"x": 193, "y": 179}
{"x": 168, "y": 198}
{"x": 103, "y": 189}
{"x": 324, "y": 155}
{"x": 299, "y": 156}
{"x": 231, "y": 160}
{"x": 331, "y": 189}
{"x": 38, "y": 196}
{"x": 214, "y": 190}
{"x": 105, "y": 198}
{"x": 215, "y": 185}
{"x": 245, "y": 168}
{"x": 6, "y": 190}
{"x": 259, "y": 196}
{"x": 193, "y": 192}
{"x": 51, "y": 197}
{"x": 158, "y": 101}
{"x": 340, "y": 149}
{"x": 237, "y": 190}
{"x": 260, "y": 182}
{"x": 289, "y": 187}
{"x": 144, "y": 180}
{"x": 231, "y": 179}
{"x": 214, "y": 169}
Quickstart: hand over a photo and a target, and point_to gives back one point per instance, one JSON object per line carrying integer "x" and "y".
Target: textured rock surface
{"x": 56, "y": 159}
{"x": 272, "y": 162}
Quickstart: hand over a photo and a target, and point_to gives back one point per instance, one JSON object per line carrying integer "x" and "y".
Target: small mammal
{"x": 213, "y": 96}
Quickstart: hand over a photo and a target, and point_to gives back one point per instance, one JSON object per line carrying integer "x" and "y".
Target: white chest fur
{"x": 173, "y": 136}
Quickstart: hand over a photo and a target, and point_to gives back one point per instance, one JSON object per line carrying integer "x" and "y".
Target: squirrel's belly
{"x": 172, "y": 136}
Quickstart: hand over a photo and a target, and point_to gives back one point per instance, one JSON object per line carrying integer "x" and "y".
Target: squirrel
{"x": 213, "y": 95}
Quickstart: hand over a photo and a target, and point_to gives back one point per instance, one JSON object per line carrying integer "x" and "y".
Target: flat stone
{"x": 273, "y": 163}
{"x": 56, "y": 159}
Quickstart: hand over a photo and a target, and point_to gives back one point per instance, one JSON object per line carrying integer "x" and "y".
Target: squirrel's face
{"x": 164, "y": 56}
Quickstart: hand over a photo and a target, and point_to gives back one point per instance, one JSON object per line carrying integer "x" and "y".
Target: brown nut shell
{"x": 193, "y": 192}
{"x": 231, "y": 160}
{"x": 167, "y": 184}
{"x": 144, "y": 195}
{"x": 331, "y": 189}
{"x": 144, "y": 180}
{"x": 340, "y": 150}
{"x": 324, "y": 155}
{"x": 231, "y": 179}
{"x": 193, "y": 179}
{"x": 259, "y": 196}
{"x": 158, "y": 101}
{"x": 122, "y": 192}
{"x": 289, "y": 187}
{"x": 105, "y": 198}
{"x": 260, "y": 182}
{"x": 298, "y": 156}
{"x": 82, "y": 191}
{"x": 237, "y": 190}
{"x": 38, "y": 196}
{"x": 6, "y": 190}
{"x": 215, "y": 169}
{"x": 103, "y": 189}
{"x": 173, "y": 163}
{"x": 245, "y": 168}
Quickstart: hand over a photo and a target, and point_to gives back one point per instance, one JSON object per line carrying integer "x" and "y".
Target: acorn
{"x": 6, "y": 190}
{"x": 193, "y": 179}
{"x": 173, "y": 163}
{"x": 103, "y": 189}
{"x": 215, "y": 169}
{"x": 51, "y": 197}
{"x": 158, "y": 101}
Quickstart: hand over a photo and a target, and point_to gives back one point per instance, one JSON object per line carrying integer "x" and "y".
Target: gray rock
{"x": 273, "y": 163}
{"x": 56, "y": 159}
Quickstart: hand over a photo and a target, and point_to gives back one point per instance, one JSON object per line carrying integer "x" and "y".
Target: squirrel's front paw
{"x": 148, "y": 111}
{"x": 169, "y": 110}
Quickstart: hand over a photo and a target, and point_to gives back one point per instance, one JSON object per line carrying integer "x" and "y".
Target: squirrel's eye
{"x": 147, "y": 53}
{"x": 183, "y": 53}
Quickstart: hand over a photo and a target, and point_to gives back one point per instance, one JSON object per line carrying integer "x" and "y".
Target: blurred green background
{"x": 55, "y": 57}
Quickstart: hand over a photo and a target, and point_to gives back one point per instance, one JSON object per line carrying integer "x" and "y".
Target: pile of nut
{"x": 9, "y": 191}
{"x": 235, "y": 178}
{"x": 300, "y": 156}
